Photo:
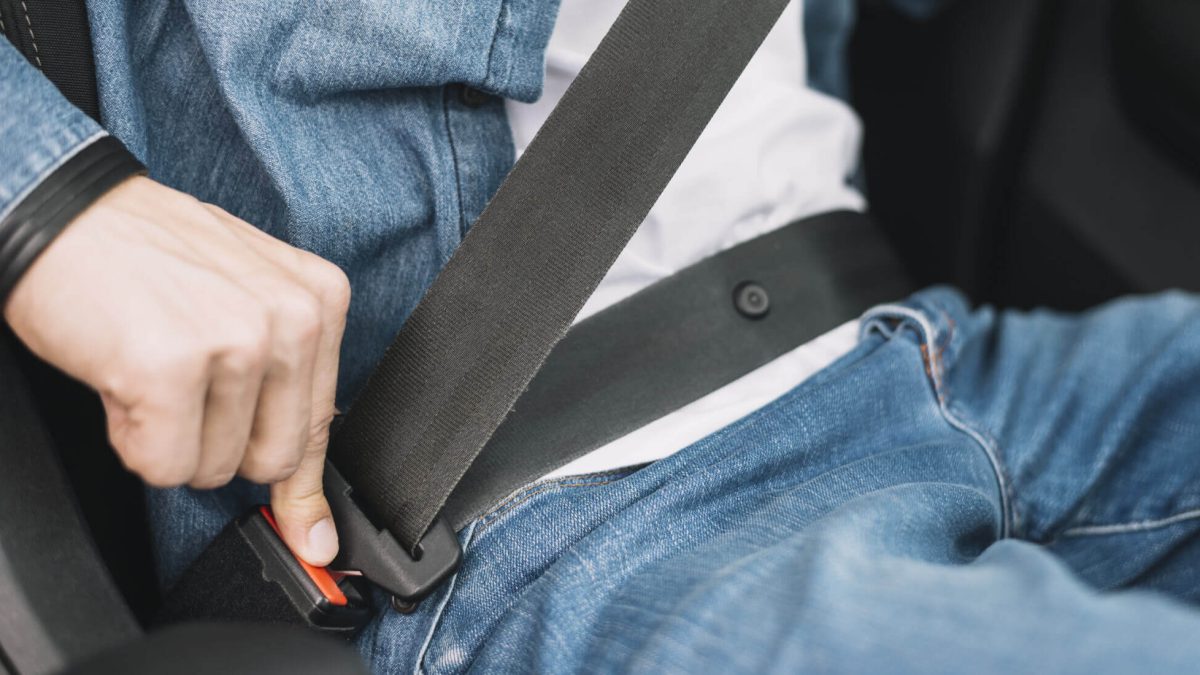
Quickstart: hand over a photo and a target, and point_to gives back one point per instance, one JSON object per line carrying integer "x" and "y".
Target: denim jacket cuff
{"x": 34, "y": 223}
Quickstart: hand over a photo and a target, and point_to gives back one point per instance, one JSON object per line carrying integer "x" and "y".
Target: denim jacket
{"x": 371, "y": 134}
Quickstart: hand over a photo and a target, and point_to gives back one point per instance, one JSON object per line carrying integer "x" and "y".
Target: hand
{"x": 213, "y": 345}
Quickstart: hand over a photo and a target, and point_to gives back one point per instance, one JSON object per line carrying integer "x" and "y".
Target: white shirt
{"x": 776, "y": 151}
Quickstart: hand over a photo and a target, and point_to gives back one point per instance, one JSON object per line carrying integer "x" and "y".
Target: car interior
{"x": 1036, "y": 153}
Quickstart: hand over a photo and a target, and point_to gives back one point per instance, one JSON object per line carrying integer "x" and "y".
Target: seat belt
{"x": 505, "y": 298}
{"x": 486, "y": 325}
{"x": 654, "y": 352}
{"x": 55, "y": 38}
{"x": 678, "y": 340}
{"x": 522, "y": 273}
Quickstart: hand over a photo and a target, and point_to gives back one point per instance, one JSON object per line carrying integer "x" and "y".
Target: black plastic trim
{"x": 375, "y": 553}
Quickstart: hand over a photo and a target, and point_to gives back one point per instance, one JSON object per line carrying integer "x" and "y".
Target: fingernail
{"x": 322, "y": 541}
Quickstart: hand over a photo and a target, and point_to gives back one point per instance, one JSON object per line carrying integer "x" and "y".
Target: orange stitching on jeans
{"x": 933, "y": 367}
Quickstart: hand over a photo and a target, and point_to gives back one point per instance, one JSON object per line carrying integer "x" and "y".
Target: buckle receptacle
{"x": 324, "y": 600}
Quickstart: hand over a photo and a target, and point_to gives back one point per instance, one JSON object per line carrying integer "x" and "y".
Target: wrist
{"x": 34, "y": 223}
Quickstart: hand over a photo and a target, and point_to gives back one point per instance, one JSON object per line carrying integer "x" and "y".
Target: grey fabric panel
{"x": 59, "y": 603}
{"x": 678, "y": 340}
{"x": 539, "y": 250}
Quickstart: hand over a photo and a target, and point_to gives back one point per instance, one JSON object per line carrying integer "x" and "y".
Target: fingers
{"x": 299, "y": 502}
{"x": 158, "y": 428}
{"x": 302, "y": 512}
{"x": 281, "y": 425}
{"x": 212, "y": 344}
{"x": 230, "y": 410}
{"x": 248, "y": 382}
{"x": 297, "y": 403}
{"x": 251, "y": 394}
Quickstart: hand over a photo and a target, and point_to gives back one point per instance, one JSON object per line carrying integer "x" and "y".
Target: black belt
{"x": 646, "y": 356}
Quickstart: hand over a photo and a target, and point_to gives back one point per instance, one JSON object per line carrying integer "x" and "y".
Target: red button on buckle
{"x": 321, "y": 577}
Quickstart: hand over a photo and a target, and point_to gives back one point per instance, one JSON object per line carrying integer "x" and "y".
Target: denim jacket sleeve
{"x": 54, "y": 161}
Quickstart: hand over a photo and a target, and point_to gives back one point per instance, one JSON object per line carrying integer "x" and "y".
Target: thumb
{"x": 303, "y": 514}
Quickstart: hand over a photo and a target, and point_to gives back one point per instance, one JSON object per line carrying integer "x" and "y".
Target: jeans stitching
{"x": 483, "y": 522}
{"x": 525, "y": 495}
{"x": 1134, "y": 526}
{"x": 495, "y": 38}
{"x": 933, "y": 367}
{"x": 1012, "y": 512}
{"x": 1012, "y": 518}
{"x": 419, "y": 666}
{"x": 462, "y": 209}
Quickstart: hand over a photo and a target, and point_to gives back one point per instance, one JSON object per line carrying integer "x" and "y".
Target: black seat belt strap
{"x": 678, "y": 340}
{"x": 61, "y": 47}
{"x": 540, "y": 248}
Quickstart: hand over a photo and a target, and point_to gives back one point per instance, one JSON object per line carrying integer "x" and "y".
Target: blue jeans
{"x": 965, "y": 491}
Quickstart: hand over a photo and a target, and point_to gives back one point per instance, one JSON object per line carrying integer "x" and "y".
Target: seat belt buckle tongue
{"x": 373, "y": 552}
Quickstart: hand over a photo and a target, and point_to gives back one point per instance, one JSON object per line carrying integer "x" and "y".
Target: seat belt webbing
{"x": 61, "y": 48}
{"x": 539, "y": 249}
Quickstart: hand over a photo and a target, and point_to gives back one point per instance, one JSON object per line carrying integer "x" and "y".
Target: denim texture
{"x": 966, "y": 491}
{"x": 338, "y": 127}
{"x": 39, "y": 129}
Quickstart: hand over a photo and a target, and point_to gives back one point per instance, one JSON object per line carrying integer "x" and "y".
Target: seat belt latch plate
{"x": 376, "y": 554}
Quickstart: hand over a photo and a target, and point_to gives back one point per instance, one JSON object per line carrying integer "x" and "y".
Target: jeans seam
{"x": 528, "y": 492}
{"x": 458, "y": 192}
{"x": 495, "y": 38}
{"x": 1101, "y": 529}
{"x": 934, "y": 366}
{"x": 1012, "y": 516}
{"x": 419, "y": 666}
